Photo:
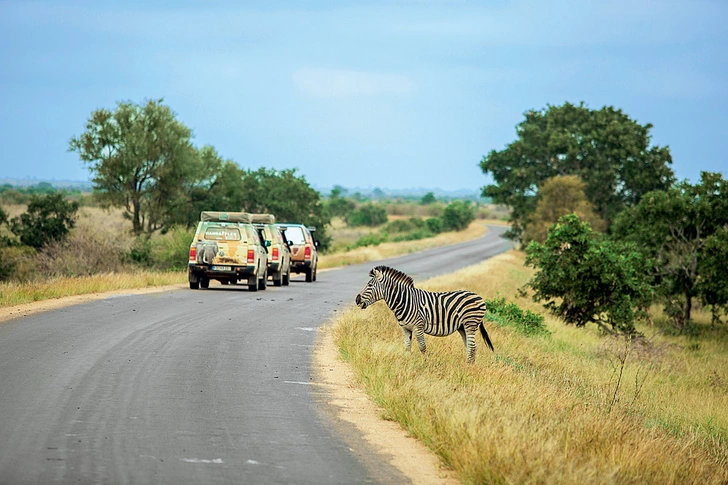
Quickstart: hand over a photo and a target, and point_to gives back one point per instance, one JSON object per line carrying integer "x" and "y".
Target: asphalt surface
{"x": 190, "y": 386}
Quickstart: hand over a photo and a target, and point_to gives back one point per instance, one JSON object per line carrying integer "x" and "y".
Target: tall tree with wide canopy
{"x": 288, "y": 196}
{"x": 140, "y": 156}
{"x": 215, "y": 184}
{"x": 609, "y": 151}
{"x": 684, "y": 231}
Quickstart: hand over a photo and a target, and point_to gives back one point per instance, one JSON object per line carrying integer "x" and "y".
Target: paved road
{"x": 207, "y": 386}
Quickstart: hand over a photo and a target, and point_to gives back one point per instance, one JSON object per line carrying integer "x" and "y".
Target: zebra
{"x": 423, "y": 312}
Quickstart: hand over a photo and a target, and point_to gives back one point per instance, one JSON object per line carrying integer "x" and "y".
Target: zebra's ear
{"x": 371, "y": 273}
{"x": 375, "y": 273}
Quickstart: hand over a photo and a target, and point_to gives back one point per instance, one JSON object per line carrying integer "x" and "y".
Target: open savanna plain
{"x": 101, "y": 235}
{"x": 569, "y": 407}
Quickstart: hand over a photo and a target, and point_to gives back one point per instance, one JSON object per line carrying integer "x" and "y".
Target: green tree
{"x": 609, "y": 151}
{"x": 337, "y": 205}
{"x": 289, "y": 197}
{"x": 680, "y": 230}
{"x": 214, "y": 184}
{"x": 712, "y": 286}
{"x": 585, "y": 278}
{"x": 367, "y": 215}
{"x": 428, "y": 198}
{"x": 557, "y": 197}
{"x": 140, "y": 157}
{"x": 457, "y": 215}
{"x": 48, "y": 218}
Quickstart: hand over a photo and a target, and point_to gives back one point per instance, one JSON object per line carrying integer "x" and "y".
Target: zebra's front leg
{"x": 407, "y": 338}
{"x": 420, "y": 336}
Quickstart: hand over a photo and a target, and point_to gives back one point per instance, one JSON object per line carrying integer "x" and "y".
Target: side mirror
{"x": 290, "y": 243}
{"x": 316, "y": 243}
{"x": 267, "y": 244}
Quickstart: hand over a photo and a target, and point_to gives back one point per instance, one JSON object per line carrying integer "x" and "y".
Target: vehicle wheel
{"x": 194, "y": 285}
{"x": 286, "y": 278}
{"x": 263, "y": 282}
{"x": 253, "y": 287}
{"x": 204, "y": 283}
{"x": 309, "y": 275}
{"x": 315, "y": 270}
{"x": 277, "y": 278}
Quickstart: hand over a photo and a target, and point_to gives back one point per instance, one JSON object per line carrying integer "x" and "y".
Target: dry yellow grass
{"x": 19, "y": 293}
{"x": 543, "y": 409}
{"x": 392, "y": 249}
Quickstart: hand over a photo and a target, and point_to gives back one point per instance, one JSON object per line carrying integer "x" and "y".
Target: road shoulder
{"x": 350, "y": 404}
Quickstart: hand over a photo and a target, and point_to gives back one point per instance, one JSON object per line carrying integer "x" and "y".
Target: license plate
{"x": 222, "y": 268}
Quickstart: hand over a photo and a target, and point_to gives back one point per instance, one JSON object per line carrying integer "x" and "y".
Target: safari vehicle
{"x": 227, "y": 248}
{"x": 279, "y": 255}
{"x": 304, "y": 249}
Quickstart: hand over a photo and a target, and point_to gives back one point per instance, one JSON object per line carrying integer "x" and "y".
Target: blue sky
{"x": 362, "y": 94}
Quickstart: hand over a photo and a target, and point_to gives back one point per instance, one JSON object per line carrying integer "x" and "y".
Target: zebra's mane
{"x": 395, "y": 274}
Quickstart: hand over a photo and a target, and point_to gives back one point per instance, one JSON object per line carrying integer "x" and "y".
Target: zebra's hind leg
{"x": 407, "y": 338}
{"x": 469, "y": 339}
{"x": 461, "y": 331}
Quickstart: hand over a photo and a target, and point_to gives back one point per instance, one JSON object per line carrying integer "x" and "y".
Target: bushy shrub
{"x": 434, "y": 225}
{"x": 171, "y": 251}
{"x": 504, "y": 313}
{"x": 49, "y": 218}
{"x": 404, "y": 225}
{"x": 371, "y": 239}
{"x": 167, "y": 252}
{"x": 367, "y": 215}
{"x": 457, "y": 215}
{"x": 585, "y": 278}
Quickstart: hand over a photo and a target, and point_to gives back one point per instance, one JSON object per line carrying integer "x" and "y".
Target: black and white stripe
{"x": 424, "y": 312}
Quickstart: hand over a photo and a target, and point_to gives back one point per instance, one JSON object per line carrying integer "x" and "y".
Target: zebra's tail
{"x": 485, "y": 336}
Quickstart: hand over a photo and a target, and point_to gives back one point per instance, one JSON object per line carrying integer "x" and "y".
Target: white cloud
{"x": 340, "y": 83}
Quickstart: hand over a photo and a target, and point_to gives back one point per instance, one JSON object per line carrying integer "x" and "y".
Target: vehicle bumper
{"x": 239, "y": 272}
{"x": 300, "y": 266}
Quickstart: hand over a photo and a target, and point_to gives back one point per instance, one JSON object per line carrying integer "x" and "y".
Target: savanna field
{"x": 567, "y": 406}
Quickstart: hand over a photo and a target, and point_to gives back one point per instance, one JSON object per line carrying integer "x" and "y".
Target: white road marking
{"x": 216, "y": 461}
{"x": 306, "y": 329}
{"x": 298, "y": 382}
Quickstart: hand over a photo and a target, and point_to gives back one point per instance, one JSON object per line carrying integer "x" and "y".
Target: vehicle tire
{"x": 286, "y": 278}
{"x": 253, "y": 287}
{"x": 263, "y": 282}
{"x": 315, "y": 270}
{"x": 309, "y": 275}
{"x": 194, "y": 285}
{"x": 205, "y": 283}
{"x": 277, "y": 278}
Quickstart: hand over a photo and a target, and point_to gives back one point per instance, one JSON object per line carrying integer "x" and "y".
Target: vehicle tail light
{"x": 251, "y": 255}
{"x": 275, "y": 254}
{"x": 307, "y": 253}
{"x": 193, "y": 253}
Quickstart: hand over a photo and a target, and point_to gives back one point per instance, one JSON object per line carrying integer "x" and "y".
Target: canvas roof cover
{"x": 214, "y": 216}
{"x": 263, "y": 218}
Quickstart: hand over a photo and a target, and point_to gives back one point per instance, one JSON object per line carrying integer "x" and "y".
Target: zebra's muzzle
{"x": 360, "y": 303}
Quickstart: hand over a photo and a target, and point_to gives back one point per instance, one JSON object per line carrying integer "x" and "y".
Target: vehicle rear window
{"x": 222, "y": 234}
{"x": 295, "y": 235}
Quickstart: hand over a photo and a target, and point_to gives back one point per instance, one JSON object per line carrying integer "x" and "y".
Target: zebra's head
{"x": 381, "y": 277}
{"x": 373, "y": 291}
